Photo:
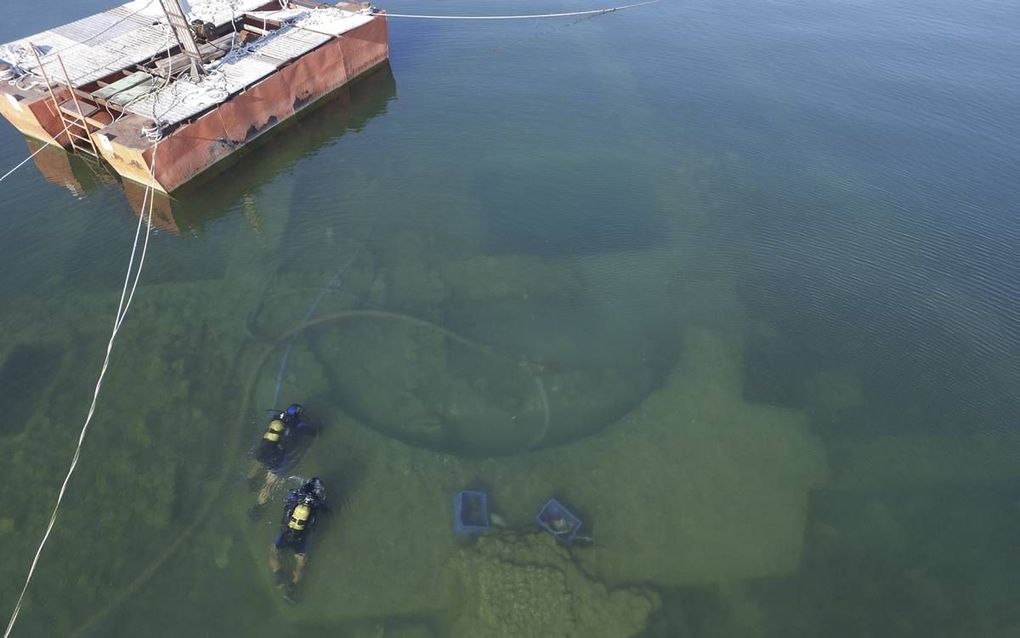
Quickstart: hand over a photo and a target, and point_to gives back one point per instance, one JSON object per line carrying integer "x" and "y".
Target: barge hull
{"x": 33, "y": 114}
{"x": 195, "y": 147}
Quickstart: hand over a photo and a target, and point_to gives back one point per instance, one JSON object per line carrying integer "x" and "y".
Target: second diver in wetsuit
{"x": 303, "y": 504}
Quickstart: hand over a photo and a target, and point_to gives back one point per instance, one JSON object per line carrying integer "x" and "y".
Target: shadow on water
{"x": 76, "y": 173}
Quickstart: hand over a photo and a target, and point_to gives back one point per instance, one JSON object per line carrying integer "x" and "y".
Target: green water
{"x": 737, "y": 282}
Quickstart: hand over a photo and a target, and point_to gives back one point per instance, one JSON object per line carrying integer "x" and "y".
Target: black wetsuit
{"x": 271, "y": 453}
{"x": 292, "y": 539}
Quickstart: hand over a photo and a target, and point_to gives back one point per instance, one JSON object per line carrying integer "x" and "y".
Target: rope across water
{"x": 127, "y": 294}
{"x": 529, "y": 16}
{"x": 24, "y": 161}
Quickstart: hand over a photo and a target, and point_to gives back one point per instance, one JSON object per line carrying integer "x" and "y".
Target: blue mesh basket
{"x": 470, "y": 512}
{"x": 558, "y": 521}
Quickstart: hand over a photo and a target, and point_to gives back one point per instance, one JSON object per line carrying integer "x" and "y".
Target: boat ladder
{"x": 70, "y": 112}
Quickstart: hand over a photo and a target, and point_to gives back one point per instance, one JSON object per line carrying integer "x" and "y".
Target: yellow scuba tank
{"x": 275, "y": 431}
{"x": 299, "y": 517}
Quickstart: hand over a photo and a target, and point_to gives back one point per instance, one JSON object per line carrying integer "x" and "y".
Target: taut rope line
{"x": 530, "y": 16}
{"x": 122, "y": 308}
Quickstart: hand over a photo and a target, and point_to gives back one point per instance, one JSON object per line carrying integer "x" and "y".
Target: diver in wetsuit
{"x": 271, "y": 451}
{"x": 303, "y": 504}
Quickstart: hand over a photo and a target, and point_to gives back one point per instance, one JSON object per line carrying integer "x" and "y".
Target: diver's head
{"x": 314, "y": 489}
{"x": 294, "y": 409}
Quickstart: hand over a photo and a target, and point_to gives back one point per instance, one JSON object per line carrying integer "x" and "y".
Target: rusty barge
{"x": 162, "y": 91}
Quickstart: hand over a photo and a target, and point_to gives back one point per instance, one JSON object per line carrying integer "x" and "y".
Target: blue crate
{"x": 558, "y": 521}
{"x": 471, "y": 512}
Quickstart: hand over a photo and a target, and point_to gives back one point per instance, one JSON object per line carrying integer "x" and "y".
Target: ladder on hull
{"x": 76, "y": 127}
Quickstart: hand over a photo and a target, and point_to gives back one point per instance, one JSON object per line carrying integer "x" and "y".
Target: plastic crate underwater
{"x": 471, "y": 512}
{"x": 558, "y": 521}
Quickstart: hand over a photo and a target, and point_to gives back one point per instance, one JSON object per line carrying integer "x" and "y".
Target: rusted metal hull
{"x": 31, "y": 111}
{"x": 210, "y": 195}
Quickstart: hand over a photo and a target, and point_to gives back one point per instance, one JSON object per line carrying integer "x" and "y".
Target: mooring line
{"x": 122, "y": 308}
{"x": 529, "y": 16}
{"x": 202, "y": 517}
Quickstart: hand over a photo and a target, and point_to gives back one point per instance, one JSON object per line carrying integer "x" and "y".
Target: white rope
{"x": 520, "y": 17}
{"x": 145, "y": 246}
{"x": 122, "y": 308}
{"x": 23, "y": 162}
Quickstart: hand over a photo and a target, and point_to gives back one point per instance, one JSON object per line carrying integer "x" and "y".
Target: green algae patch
{"x": 528, "y": 585}
{"x": 149, "y": 453}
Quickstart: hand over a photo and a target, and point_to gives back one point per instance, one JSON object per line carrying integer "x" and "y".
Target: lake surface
{"x": 735, "y": 281}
